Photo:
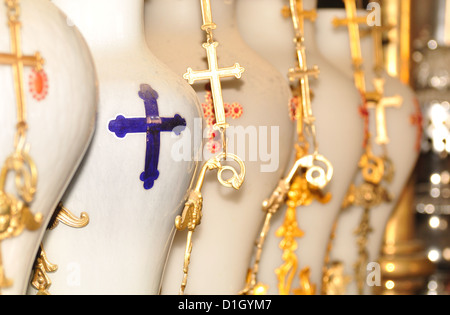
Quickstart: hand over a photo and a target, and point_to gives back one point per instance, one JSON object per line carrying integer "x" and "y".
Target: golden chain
{"x": 192, "y": 212}
{"x": 305, "y": 180}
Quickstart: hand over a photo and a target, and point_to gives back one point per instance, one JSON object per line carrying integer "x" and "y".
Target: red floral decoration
{"x": 416, "y": 119}
{"x": 38, "y": 84}
{"x": 293, "y": 105}
{"x": 234, "y": 110}
{"x": 364, "y": 112}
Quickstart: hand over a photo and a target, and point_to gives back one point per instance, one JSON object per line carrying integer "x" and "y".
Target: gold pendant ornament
{"x": 335, "y": 279}
{"x": 367, "y": 196}
{"x": 192, "y": 213}
{"x": 15, "y": 211}
{"x": 306, "y": 287}
{"x": 374, "y": 170}
{"x": 300, "y": 194}
{"x": 310, "y": 174}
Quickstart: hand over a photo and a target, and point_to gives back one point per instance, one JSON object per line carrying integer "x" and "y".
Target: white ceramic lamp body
{"x": 60, "y": 124}
{"x": 123, "y": 249}
{"x": 261, "y": 136}
{"x": 401, "y": 148}
{"x": 338, "y": 125}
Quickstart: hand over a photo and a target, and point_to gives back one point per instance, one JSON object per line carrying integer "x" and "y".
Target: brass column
{"x": 404, "y": 263}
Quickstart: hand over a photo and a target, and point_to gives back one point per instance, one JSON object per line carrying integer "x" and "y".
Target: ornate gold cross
{"x": 214, "y": 73}
{"x": 301, "y": 15}
{"x": 352, "y": 21}
{"x": 17, "y": 60}
{"x": 377, "y": 34}
{"x": 378, "y": 102}
{"x": 302, "y": 72}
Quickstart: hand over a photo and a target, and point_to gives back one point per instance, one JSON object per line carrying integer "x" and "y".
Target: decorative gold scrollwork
{"x": 306, "y": 287}
{"x": 335, "y": 280}
{"x": 64, "y": 216}
{"x": 278, "y": 197}
{"x": 237, "y": 179}
{"x": 372, "y": 168}
{"x": 191, "y": 216}
{"x": 42, "y": 266}
{"x": 192, "y": 213}
{"x": 16, "y": 214}
{"x": 317, "y": 176}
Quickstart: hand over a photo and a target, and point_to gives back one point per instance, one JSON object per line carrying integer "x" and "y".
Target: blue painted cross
{"x": 152, "y": 125}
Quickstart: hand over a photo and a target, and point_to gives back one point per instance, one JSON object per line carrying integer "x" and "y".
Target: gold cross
{"x": 17, "y": 60}
{"x": 353, "y": 21}
{"x": 214, "y": 73}
{"x": 379, "y": 103}
{"x": 302, "y": 72}
{"x": 377, "y": 35}
{"x": 301, "y": 14}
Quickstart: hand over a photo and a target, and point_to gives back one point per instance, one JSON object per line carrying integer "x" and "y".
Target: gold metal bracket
{"x": 42, "y": 266}
{"x": 64, "y": 216}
